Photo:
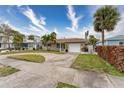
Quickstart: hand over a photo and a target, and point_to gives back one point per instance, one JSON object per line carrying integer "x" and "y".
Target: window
{"x": 121, "y": 43}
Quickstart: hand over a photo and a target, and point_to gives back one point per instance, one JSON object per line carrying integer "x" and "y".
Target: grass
{"x": 64, "y": 85}
{"x": 7, "y": 70}
{"x": 93, "y": 62}
{"x": 29, "y": 57}
{"x": 32, "y": 51}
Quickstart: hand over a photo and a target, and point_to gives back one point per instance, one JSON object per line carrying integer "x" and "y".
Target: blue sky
{"x": 66, "y": 21}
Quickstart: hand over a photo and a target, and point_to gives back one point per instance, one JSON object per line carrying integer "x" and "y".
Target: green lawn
{"x": 7, "y": 70}
{"x": 64, "y": 85}
{"x": 95, "y": 63}
{"x": 29, "y": 57}
{"x": 32, "y": 51}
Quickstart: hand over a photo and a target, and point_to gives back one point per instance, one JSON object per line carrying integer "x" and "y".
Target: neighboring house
{"x": 71, "y": 44}
{"x": 27, "y": 44}
{"x": 66, "y": 44}
{"x": 31, "y": 44}
{"x": 116, "y": 40}
{"x": 4, "y": 43}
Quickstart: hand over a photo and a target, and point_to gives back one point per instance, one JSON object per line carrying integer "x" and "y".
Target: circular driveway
{"x": 55, "y": 69}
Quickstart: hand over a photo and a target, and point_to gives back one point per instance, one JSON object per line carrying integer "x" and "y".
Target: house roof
{"x": 70, "y": 40}
{"x": 118, "y": 37}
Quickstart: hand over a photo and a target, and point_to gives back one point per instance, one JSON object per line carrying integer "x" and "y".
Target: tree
{"x": 45, "y": 40}
{"x": 7, "y": 31}
{"x": 31, "y": 37}
{"x": 92, "y": 40}
{"x": 49, "y": 39}
{"x": 53, "y": 37}
{"x": 53, "y": 40}
{"x": 105, "y": 19}
{"x": 17, "y": 39}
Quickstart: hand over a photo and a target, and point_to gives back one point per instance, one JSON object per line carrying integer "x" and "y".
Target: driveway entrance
{"x": 55, "y": 69}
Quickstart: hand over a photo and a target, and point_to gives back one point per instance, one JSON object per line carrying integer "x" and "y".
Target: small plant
{"x": 7, "y": 70}
{"x": 65, "y": 85}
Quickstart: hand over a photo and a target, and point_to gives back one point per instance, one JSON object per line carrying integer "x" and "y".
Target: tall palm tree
{"x": 105, "y": 19}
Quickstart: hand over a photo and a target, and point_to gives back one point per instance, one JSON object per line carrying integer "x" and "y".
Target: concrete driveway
{"x": 55, "y": 69}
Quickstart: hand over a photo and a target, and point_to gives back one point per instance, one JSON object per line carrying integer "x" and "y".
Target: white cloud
{"x": 91, "y": 31}
{"x": 56, "y": 30}
{"x": 29, "y": 13}
{"x": 21, "y": 30}
{"x": 24, "y": 30}
{"x": 73, "y": 18}
{"x": 4, "y": 21}
{"x": 42, "y": 20}
{"x": 35, "y": 31}
{"x": 33, "y": 28}
{"x": 81, "y": 33}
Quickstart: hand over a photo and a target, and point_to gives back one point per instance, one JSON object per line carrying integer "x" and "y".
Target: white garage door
{"x": 73, "y": 47}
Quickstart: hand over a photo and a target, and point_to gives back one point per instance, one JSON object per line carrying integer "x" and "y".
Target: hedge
{"x": 113, "y": 54}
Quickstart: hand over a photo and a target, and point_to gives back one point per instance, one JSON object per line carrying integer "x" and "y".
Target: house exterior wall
{"x": 32, "y": 44}
{"x": 74, "y": 47}
{"x": 4, "y": 43}
{"x": 28, "y": 44}
{"x": 70, "y": 47}
{"x": 57, "y": 46}
{"x": 111, "y": 42}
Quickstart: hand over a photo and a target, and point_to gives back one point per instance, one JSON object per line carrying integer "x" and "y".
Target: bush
{"x": 7, "y": 70}
{"x": 23, "y": 48}
{"x": 113, "y": 54}
{"x": 85, "y": 49}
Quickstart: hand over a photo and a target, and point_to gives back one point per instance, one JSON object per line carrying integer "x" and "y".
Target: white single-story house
{"x": 71, "y": 44}
{"x": 116, "y": 40}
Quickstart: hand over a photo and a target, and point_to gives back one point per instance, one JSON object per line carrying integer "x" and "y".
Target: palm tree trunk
{"x": 103, "y": 37}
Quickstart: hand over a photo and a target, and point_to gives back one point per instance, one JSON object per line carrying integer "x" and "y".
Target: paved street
{"x": 55, "y": 69}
